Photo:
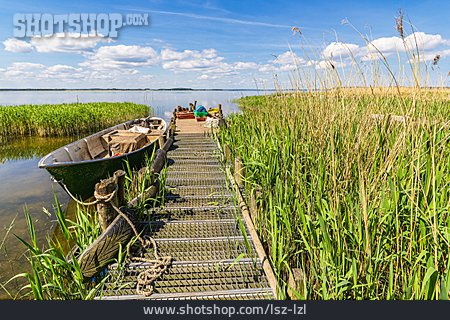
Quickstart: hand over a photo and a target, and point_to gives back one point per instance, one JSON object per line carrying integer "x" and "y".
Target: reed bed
{"x": 359, "y": 207}
{"x": 66, "y": 119}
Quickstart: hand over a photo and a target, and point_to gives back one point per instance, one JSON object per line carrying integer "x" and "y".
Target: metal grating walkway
{"x": 200, "y": 225}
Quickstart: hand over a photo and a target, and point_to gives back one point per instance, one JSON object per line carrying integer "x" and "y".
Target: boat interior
{"x": 115, "y": 141}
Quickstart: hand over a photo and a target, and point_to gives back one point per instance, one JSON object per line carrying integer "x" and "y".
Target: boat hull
{"x": 80, "y": 177}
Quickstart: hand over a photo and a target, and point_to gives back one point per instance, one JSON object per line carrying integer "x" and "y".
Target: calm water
{"x": 24, "y": 185}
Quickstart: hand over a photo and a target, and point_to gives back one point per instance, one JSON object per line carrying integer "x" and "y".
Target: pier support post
{"x": 106, "y": 212}
{"x": 239, "y": 172}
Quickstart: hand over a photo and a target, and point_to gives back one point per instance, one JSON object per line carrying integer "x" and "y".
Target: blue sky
{"x": 220, "y": 44}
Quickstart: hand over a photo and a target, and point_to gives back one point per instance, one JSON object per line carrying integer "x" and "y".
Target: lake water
{"x": 24, "y": 185}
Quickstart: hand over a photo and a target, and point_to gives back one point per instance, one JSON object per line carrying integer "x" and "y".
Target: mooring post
{"x": 239, "y": 172}
{"x": 220, "y": 112}
{"x": 119, "y": 175}
{"x": 106, "y": 212}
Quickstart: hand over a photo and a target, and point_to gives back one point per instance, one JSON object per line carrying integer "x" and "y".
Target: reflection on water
{"x": 23, "y": 184}
{"x": 22, "y": 148}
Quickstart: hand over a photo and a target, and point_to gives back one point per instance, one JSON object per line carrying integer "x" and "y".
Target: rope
{"x": 98, "y": 197}
{"x": 146, "y": 277}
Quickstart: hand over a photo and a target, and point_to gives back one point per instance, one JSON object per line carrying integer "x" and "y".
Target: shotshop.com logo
{"x": 74, "y": 24}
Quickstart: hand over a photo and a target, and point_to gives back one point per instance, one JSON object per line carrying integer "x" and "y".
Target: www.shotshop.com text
{"x": 269, "y": 309}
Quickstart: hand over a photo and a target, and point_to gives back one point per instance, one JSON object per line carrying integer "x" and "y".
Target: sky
{"x": 223, "y": 44}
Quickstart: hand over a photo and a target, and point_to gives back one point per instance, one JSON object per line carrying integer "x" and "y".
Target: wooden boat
{"x": 79, "y": 165}
{"x": 185, "y": 115}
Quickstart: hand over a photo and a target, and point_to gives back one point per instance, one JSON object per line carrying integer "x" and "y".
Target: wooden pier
{"x": 205, "y": 227}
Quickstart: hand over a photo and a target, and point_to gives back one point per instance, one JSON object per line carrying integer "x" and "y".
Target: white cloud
{"x": 386, "y": 44}
{"x": 245, "y": 65}
{"x": 287, "y": 61}
{"x": 67, "y": 44}
{"x": 267, "y": 68}
{"x": 390, "y": 45}
{"x": 60, "y": 71}
{"x": 169, "y": 54}
{"x": 425, "y": 41}
{"x": 23, "y": 69}
{"x": 340, "y": 49}
{"x": 207, "y": 61}
{"x": 18, "y": 46}
{"x": 121, "y": 57}
{"x": 190, "y": 59}
{"x": 55, "y": 43}
{"x": 327, "y": 64}
{"x": 428, "y": 56}
{"x": 288, "y": 57}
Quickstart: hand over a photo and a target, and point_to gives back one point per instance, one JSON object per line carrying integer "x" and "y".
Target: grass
{"x": 55, "y": 273}
{"x": 360, "y": 205}
{"x": 355, "y": 205}
{"x": 66, "y": 119}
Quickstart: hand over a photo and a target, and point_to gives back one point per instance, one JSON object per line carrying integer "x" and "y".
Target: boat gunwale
{"x": 44, "y": 165}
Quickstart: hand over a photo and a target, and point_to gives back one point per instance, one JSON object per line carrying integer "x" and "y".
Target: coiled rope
{"x": 146, "y": 277}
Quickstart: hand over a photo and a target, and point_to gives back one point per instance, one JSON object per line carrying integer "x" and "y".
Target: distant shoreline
{"x": 134, "y": 89}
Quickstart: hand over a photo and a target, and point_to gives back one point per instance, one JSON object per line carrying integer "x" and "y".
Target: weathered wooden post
{"x": 106, "y": 212}
{"x": 161, "y": 141}
{"x": 296, "y": 282}
{"x": 239, "y": 172}
{"x": 159, "y": 161}
{"x": 119, "y": 175}
{"x": 220, "y": 112}
{"x": 168, "y": 144}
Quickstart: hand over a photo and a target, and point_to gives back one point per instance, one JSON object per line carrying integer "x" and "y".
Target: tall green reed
{"x": 360, "y": 205}
{"x": 66, "y": 119}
